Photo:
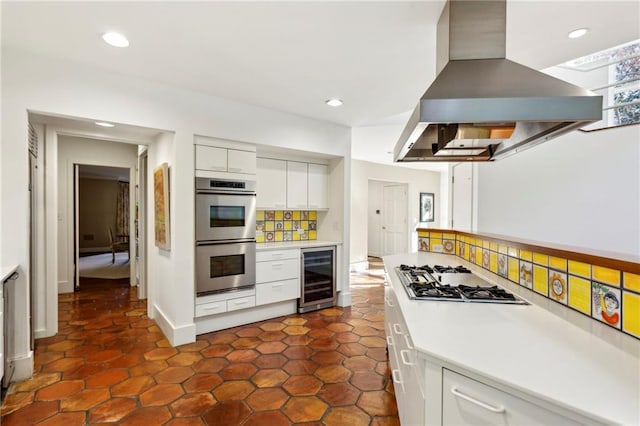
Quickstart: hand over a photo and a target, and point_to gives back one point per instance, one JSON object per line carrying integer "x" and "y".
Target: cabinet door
{"x": 318, "y": 186}
{"x": 467, "y": 401}
{"x": 296, "y": 185}
{"x": 241, "y": 161}
{"x": 211, "y": 158}
{"x": 271, "y": 183}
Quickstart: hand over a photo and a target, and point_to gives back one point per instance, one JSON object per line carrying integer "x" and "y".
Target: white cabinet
{"x": 211, "y": 158}
{"x": 467, "y": 401}
{"x": 271, "y": 183}
{"x": 241, "y": 161}
{"x": 317, "y": 186}
{"x": 224, "y": 302}
{"x": 277, "y": 276}
{"x": 218, "y": 158}
{"x": 297, "y": 185}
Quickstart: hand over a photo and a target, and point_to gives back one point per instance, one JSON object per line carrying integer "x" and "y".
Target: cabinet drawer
{"x": 211, "y": 308}
{"x": 277, "y": 291}
{"x": 241, "y": 303}
{"x": 264, "y": 256}
{"x": 277, "y": 270}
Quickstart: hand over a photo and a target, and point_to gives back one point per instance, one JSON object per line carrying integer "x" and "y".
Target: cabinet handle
{"x": 219, "y": 168}
{"x": 389, "y": 340}
{"x": 211, "y": 308}
{"x": 396, "y": 328}
{"x": 395, "y": 374}
{"x": 406, "y": 339}
{"x": 484, "y": 405}
{"x": 276, "y": 285}
{"x": 404, "y": 354}
{"x": 277, "y": 255}
{"x": 235, "y": 169}
{"x": 388, "y": 302}
{"x": 277, "y": 265}
{"x": 242, "y": 302}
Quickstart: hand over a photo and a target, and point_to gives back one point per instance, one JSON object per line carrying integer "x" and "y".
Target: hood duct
{"x": 481, "y": 106}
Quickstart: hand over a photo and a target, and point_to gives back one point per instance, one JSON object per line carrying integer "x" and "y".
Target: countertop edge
{"x": 295, "y": 244}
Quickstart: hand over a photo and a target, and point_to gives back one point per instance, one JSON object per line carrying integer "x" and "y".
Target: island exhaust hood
{"x": 482, "y": 106}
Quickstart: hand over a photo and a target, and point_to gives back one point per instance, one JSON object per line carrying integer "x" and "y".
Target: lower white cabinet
{"x": 468, "y": 401}
{"x": 225, "y": 302}
{"x": 240, "y": 303}
{"x": 277, "y": 291}
{"x": 277, "y": 276}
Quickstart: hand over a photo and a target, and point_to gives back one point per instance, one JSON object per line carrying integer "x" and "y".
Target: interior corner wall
{"x": 417, "y": 180}
{"x": 581, "y": 190}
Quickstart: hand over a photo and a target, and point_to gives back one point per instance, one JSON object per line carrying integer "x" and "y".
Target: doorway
{"x": 387, "y": 218}
{"x": 101, "y": 237}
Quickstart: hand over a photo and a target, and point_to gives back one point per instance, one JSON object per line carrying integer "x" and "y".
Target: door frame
{"x": 141, "y": 217}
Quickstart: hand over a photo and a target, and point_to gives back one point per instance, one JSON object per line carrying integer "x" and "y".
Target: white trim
{"x": 359, "y": 266}
{"x": 344, "y": 298}
{"x": 64, "y": 287}
{"x": 23, "y": 365}
{"x": 176, "y": 335}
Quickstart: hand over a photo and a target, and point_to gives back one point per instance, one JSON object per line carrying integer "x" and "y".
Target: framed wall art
{"x": 426, "y": 207}
{"x": 161, "y": 206}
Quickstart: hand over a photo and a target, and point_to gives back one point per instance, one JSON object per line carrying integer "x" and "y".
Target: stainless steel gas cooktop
{"x": 452, "y": 283}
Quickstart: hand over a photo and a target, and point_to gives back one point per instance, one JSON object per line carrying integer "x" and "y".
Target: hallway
{"x": 109, "y": 363}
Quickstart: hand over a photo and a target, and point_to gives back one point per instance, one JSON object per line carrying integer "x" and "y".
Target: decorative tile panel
{"x": 283, "y": 225}
{"x": 606, "y": 304}
{"x": 558, "y": 286}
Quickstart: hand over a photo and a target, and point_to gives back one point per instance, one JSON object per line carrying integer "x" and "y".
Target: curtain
{"x": 122, "y": 209}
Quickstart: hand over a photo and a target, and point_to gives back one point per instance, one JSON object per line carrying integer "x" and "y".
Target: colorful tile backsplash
{"x": 286, "y": 225}
{"x": 607, "y": 295}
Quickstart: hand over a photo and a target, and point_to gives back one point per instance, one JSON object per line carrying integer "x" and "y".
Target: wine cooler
{"x": 318, "y": 279}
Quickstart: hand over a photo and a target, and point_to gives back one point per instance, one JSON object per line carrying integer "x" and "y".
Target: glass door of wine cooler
{"x": 318, "y": 279}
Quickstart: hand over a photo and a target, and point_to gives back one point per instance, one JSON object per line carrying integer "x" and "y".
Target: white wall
{"x": 374, "y": 225}
{"x": 581, "y": 189}
{"x": 417, "y": 180}
{"x": 49, "y": 85}
{"x": 75, "y": 150}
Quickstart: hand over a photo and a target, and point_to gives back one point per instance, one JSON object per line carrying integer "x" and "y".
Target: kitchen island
{"x": 469, "y": 363}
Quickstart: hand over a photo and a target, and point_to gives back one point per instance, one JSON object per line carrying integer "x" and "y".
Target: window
{"x": 615, "y": 74}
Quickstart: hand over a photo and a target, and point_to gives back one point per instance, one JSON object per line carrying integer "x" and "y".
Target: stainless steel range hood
{"x": 481, "y": 106}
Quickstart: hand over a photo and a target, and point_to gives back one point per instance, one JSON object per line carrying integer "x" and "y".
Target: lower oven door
{"x": 225, "y": 266}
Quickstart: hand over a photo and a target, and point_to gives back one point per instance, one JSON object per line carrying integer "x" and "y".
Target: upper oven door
{"x": 225, "y": 216}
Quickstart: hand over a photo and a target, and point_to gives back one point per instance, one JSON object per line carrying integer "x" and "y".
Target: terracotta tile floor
{"x": 109, "y": 363}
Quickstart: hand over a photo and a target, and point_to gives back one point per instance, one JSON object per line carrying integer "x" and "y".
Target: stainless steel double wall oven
{"x": 225, "y": 235}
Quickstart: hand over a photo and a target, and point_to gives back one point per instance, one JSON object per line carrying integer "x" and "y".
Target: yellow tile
{"x": 423, "y": 234}
{"x": 493, "y": 246}
{"x": 447, "y": 236}
{"x": 579, "y": 268}
{"x": 433, "y": 242}
{"x": 493, "y": 262}
{"x": 279, "y": 236}
{"x": 540, "y": 259}
{"x": 514, "y": 269}
{"x": 296, "y": 215}
{"x": 606, "y": 275}
{"x": 462, "y": 238}
{"x": 526, "y": 255}
{"x": 631, "y": 281}
{"x": 288, "y": 225}
{"x": 486, "y": 244}
{"x": 260, "y": 238}
{"x": 313, "y": 235}
{"x": 631, "y": 313}
{"x": 558, "y": 263}
{"x": 503, "y": 249}
{"x": 313, "y": 215}
{"x": 269, "y": 225}
{"x": 259, "y": 214}
{"x": 279, "y": 215}
{"x": 478, "y": 256}
{"x": 540, "y": 279}
{"x": 471, "y": 240}
{"x": 435, "y": 235}
{"x": 295, "y": 236}
{"x": 304, "y": 225}
{"x": 512, "y": 251}
{"x": 580, "y": 294}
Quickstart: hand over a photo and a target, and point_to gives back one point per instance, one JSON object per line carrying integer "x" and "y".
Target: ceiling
{"x": 378, "y": 57}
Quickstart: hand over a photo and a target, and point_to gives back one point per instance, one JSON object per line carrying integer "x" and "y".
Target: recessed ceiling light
{"x": 104, "y": 124}
{"x": 578, "y": 33}
{"x": 115, "y": 39}
{"x": 334, "y": 102}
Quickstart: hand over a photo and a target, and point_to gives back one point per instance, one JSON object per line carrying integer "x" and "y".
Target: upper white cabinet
{"x": 297, "y": 185}
{"x": 317, "y": 186}
{"x": 271, "y": 187}
{"x": 221, "y": 158}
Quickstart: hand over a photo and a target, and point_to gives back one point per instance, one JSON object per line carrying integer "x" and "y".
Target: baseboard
{"x": 344, "y": 298}
{"x": 23, "y": 365}
{"x": 175, "y": 335}
{"x": 359, "y": 266}
{"x": 65, "y": 287}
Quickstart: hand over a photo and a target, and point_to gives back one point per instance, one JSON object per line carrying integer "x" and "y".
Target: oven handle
{"x": 218, "y": 242}
{"x": 218, "y": 192}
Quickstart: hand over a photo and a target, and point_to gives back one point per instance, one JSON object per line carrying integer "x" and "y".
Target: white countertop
{"x": 6, "y": 271}
{"x": 295, "y": 244}
{"x": 525, "y": 347}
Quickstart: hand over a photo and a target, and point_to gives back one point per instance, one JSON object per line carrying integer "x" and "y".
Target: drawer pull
{"x": 484, "y": 405}
{"x": 211, "y": 308}
{"x": 276, "y": 285}
{"x": 277, "y": 265}
{"x": 389, "y": 340}
{"x": 406, "y": 339}
{"x": 235, "y": 169}
{"x": 395, "y": 375}
{"x": 404, "y": 354}
{"x": 241, "y": 302}
{"x": 277, "y": 255}
{"x": 396, "y": 328}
